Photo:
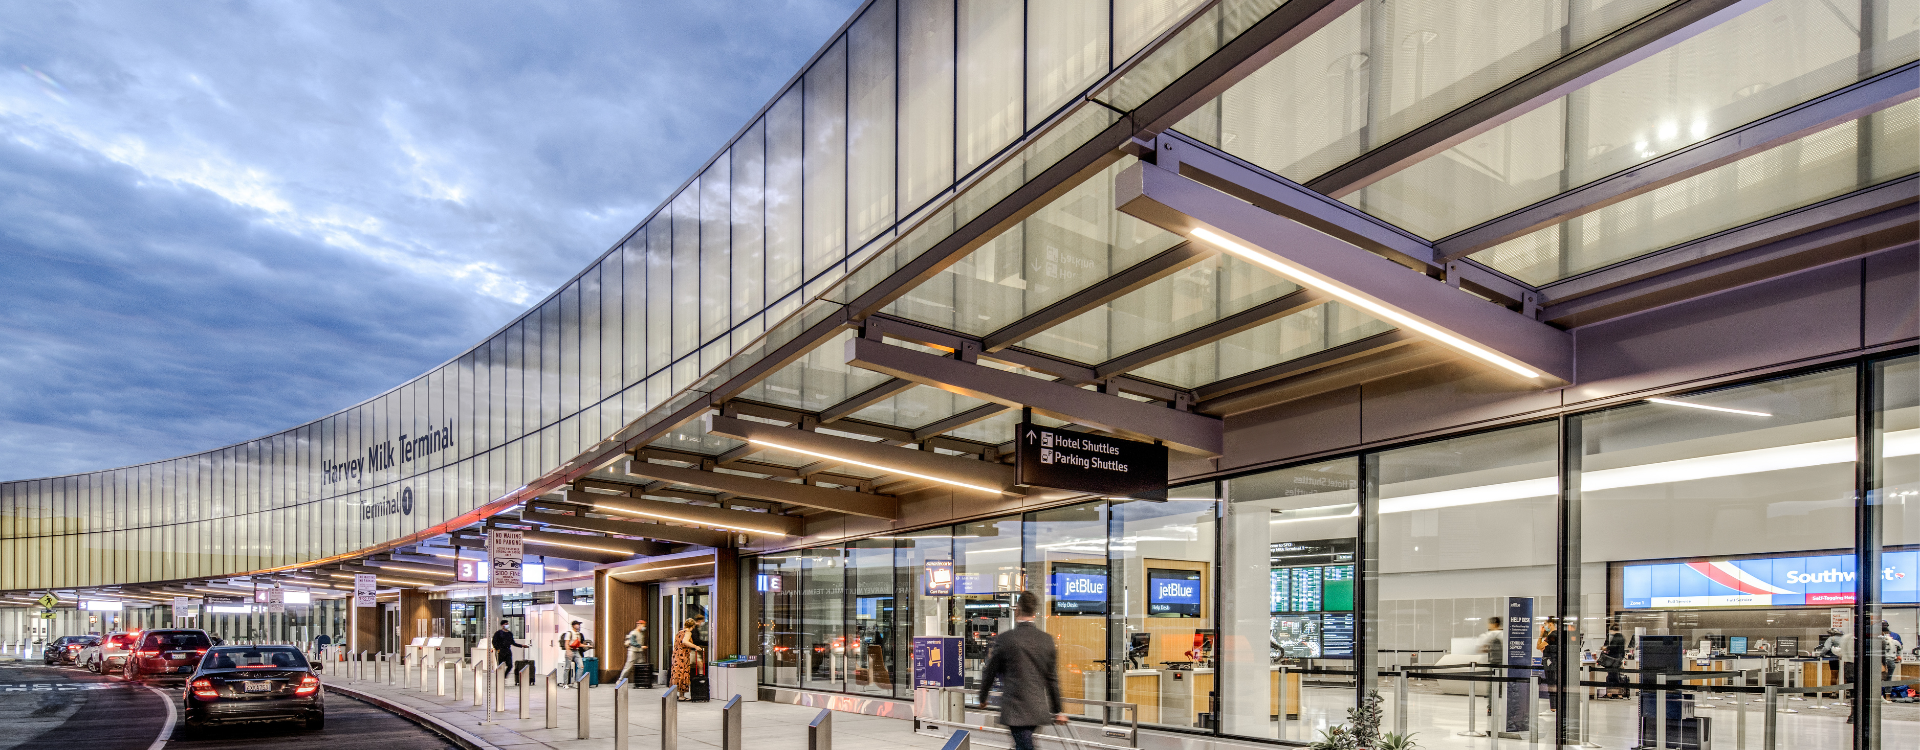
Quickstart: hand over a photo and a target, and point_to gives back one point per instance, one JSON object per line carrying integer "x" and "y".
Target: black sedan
{"x": 237, "y": 684}
{"x": 66, "y": 649}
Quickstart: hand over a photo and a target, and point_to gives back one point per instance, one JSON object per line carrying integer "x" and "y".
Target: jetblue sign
{"x": 1080, "y": 462}
{"x": 1175, "y": 592}
{"x": 1079, "y": 588}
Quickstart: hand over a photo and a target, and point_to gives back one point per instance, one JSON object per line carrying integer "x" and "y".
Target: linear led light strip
{"x": 1803, "y": 455}
{"x": 1671, "y": 402}
{"x": 389, "y": 580}
{"x": 1316, "y": 281}
{"x": 875, "y": 467}
{"x": 665, "y": 517}
{"x": 428, "y": 571}
{"x": 581, "y": 546}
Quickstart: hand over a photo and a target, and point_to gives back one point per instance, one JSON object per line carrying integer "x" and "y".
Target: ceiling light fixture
{"x": 1315, "y": 281}
{"x": 1671, "y": 402}
{"x": 579, "y": 546}
{"x": 875, "y": 467}
{"x": 428, "y": 571}
{"x": 665, "y": 517}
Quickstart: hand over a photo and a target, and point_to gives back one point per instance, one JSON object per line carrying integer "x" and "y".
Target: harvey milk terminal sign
{"x": 1081, "y": 462}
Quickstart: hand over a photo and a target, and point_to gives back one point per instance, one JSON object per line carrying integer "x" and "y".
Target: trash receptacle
{"x": 591, "y": 665}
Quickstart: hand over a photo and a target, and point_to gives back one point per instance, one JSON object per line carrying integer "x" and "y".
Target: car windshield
{"x": 122, "y": 639}
{"x": 184, "y": 639}
{"x": 255, "y": 658}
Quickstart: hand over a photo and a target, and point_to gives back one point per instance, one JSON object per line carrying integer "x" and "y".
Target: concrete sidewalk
{"x": 766, "y": 726}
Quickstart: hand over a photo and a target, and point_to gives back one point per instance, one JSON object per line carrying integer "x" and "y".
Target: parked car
{"x": 167, "y": 654}
{"x": 110, "y": 653}
{"x": 66, "y": 649}
{"x": 235, "y": 684}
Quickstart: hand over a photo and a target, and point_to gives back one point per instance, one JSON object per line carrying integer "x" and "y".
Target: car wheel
{"x": 317, "y": 721}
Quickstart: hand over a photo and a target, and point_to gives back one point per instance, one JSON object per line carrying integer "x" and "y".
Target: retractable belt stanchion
{"x": 1769, "y": 723}
{"x": 584, "y": 720}
{"x": 820, "y": 730}
{"x": 1660, "y": 711}
{"x": 621, "y": 729}
{"x": 1533, "y": 708}
{"x": 553, "y": 699}
{"x": 1740, "y": 717}
{"x": 1281, "y": 730}
{"x": 1472, "y": 713}
{"x": 670, "y": 719}
{"x": 1399, "y": 703}
{"x": 1496, "y": 695}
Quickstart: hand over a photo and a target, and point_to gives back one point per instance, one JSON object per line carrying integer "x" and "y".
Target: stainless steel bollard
{"x": 520, "y": 677}
{"x": 479, "y": 683}
{"x": 670, "y": 719}
{"x": 553, "y": 699}
{"x": 961, "y": 739}
{"x": 1660, "y": 711}
{"x": 820, "y": 730}
{"x": 1768, "y": 726}
{"x": 393, "y": 660}
{"x": 621, "y": 719}
{"x": 499, "y": 673}
{"x": 1399, "y": 703}
{"x": 440, "y": 677}
{"x": 730, "y": 724}
{"x": 584, "y": 719}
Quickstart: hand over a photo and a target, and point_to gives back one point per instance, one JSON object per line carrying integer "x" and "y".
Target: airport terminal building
{"x": 1279, "y": 346}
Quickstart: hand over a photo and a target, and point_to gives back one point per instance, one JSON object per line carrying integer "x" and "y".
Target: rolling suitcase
{"x": 699, "y": 689}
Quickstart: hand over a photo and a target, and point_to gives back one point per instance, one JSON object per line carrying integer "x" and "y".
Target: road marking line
{"x": 166, "y": 732}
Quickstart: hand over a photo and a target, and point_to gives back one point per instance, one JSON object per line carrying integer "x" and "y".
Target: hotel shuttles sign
{"x": 1080, "y": 462}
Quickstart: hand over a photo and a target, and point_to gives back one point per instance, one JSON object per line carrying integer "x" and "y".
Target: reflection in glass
{"x": 990, "y": 63}
{"x": 825, "y": 175}
{"x": 1162, "y": 616}
{"x": 1065, "y": 553}
{"x": 1893, "y": 499}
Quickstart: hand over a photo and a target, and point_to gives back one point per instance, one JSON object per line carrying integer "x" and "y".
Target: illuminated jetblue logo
{"x": 1085, "y": 585}
{"x": 1176, "y": 591}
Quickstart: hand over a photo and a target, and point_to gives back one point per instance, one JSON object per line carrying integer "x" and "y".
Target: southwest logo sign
{"x": 1811, "y": 580}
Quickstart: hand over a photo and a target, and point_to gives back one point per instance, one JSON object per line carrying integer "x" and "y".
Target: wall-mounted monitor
{"x": 1173, "y": 593}
{"x": 1736, "y": 644}
{"x": 1078, "y": 589}
{"x": 1336, "y": 592}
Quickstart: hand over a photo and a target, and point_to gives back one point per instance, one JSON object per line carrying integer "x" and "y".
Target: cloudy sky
{"x": 219, "y": 220}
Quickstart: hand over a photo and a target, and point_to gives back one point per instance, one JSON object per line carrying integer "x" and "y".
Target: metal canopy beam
{"x": 953, "y": 470}
{"x": 1208, "y": 396}
{"x": 957, "y": 421}
{"x": 1599, "y": 59}
{"x": 806, "y": 495}
{"x": 679, "y": 534}
{"x": 600, "y": 544}
{"x": 1380, "y": 286}
{"x": 1167, "y": 263}
{"x": 772, "y": 524}
{"x": 1072, "y": 373}
{"x": 1265, "y": 312}
{"x": 1845, "y": 105}
{"x": 860, "y": 401}
{"x": 1186, "y": 431}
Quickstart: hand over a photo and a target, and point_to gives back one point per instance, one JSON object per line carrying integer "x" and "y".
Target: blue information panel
{"x": 936, "y": 661}
{"x": 1519, "y": 653}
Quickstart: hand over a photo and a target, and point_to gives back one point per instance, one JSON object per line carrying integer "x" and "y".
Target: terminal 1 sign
{"x": 1079, "y": 462}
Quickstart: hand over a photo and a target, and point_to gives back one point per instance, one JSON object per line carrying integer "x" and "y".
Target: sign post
{"x": 364, "y": 589}
{"x": 1077, "y": 461}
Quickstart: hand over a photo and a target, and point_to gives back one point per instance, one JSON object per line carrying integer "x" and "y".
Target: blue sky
{"x": 220, "y": 223}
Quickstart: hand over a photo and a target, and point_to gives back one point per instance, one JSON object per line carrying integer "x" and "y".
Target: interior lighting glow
{"x": 665, "y": 517}
{"x": 1671, "y": 402}
{"x": 579, "y": 546}
{"x": 384, "y": 579}
{"x": 875, "y": 467}
{"x": 428, "y": 571}
{"x": 1315, "y": 281}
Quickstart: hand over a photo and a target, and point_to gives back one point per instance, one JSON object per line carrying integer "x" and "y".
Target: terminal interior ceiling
{"x": 1605, "y": 306}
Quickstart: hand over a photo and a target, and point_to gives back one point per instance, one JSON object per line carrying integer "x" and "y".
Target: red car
{"x": 170, "y": 654}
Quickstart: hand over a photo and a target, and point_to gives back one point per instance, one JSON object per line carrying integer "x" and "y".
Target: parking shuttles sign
{"x": 1082, "y": 462}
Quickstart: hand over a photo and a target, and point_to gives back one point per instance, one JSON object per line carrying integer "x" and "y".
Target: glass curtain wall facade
{"x": 864, "y": 152}
{"x": 1720, "y": 519}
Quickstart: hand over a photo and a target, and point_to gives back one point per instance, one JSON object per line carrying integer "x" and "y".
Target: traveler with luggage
{"x": 686, "y": 659}
{"x": 1024, "y": 661}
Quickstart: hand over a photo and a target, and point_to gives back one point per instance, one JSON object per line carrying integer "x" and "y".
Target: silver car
{"x": 110, "y": 653}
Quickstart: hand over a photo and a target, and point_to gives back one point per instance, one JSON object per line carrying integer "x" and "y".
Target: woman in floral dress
{"x": 685, "y": 651}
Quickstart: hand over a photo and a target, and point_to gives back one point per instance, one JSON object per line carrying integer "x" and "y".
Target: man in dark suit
{"x": 1023, "y": 661}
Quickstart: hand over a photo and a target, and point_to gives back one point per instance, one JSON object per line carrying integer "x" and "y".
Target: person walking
{"x": 686, "y": 653}
{"x": 503, "y": 644}
{"x": 636, "y": 649}
{"x": 1613, "y": 656}
{"x": 574, "y": 645}
{"x": 1022, "y": 660}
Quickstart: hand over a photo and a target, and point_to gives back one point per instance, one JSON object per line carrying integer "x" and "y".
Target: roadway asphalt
{"x": 43, "y": 707}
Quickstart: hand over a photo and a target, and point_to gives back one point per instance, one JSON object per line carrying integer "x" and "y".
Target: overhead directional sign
{"x": 1081, "y": 462}
{"x": 504, "y": 549}
{"x": 365, "y": 588}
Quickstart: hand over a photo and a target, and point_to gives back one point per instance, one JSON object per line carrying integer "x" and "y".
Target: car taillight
{"x": 150, "y": 654}
{"x": 199, "y": 650}
{"x": 204, "y": 688}
{"x": 308, "y": 684}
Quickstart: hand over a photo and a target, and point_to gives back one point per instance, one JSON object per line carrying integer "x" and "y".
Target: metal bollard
{"x": 479, "y": 683}
{"x": 553, "y": 699}
{"x": 730, "y": 724}
{"x": 392, "y": 661}
{"x": 520, "y": 676}
{"x": 961, "y": 739}
{"x": 670, "y": 719}
{"x": 440, "y": 678}
{"x": 500, "y": 689}
{"x": 1660, "y": 711}
{"x": 1399, "y": 703}
{"x": 1768, "y": 724}
{"x": 584, "y": 718}
{"x": 459, "y": 679}
{"x": 820, "y": 730}
{"x": 621, "y": 728}
{"x": 1497, "y": 697}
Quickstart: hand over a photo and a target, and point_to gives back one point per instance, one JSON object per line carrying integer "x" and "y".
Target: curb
{"x": 452, "y": 733}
